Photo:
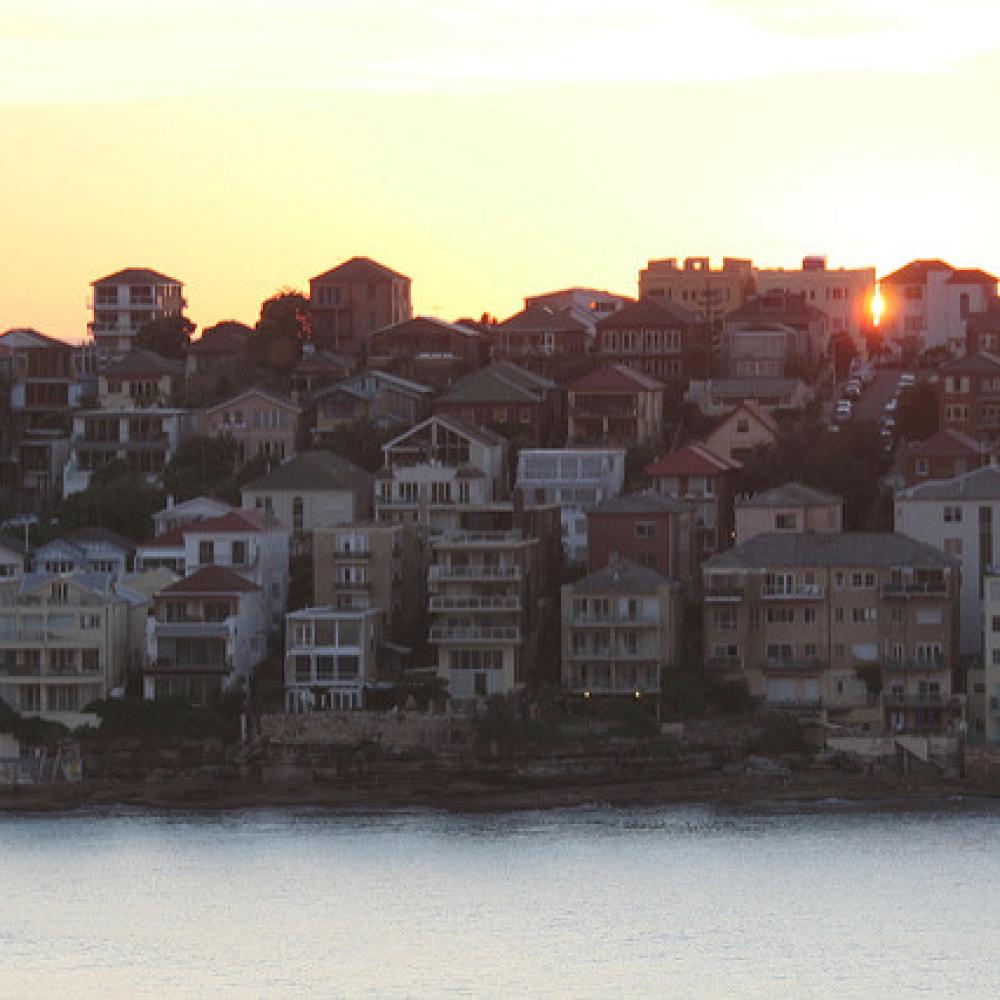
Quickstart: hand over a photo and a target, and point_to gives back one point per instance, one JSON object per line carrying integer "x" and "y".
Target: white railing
{"x": 472, "y": 633}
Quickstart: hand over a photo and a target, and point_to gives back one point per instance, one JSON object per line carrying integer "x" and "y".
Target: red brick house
{"x": 538, "y": 332}
{"x": 969, "y": 395}
{"x": 615, "y": 405}
{"x": 425, "y": 340}
{"x": 648, "y": 336}
{"x": 944, "y": 455}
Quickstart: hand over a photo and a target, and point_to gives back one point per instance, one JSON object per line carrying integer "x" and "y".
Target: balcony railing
{"x": 439, "y": 602}
{"x": 619, "y": 687}
{"x": 481, "y": 572}
{"x": 724, "y": 662}
{"x": 194, "y": 627}
{"x": 718, "y": 595}
{"x": 164, "y": 664}
{"x": 351, "y": 584}
{"x": 637, "y": 621}
{"x": 806, "y": 664}
{"x": 472, "y": 633}
{"x": 892, "y": 700}
{"x": 902, "y": 664}
{"x": 354, "y": 555}
{"x": 804, "y": 592}
{"x": 934, "y": 588}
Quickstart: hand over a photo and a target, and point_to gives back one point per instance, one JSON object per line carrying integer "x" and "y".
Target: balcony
{"x": 478, "y": 538}
{"x": 165, "y": 665}
{"x": 441, "y": 603}
{"x": 721, "y": 595}
{"x": 473, "y": 633}
{"x": 609, "y": 687}
{"x": 804, "y": 665}
{"x": 804, "y": 592}
{"x": 481, "y": 572}
{"x": 929, "y": 664}
{"x": 894, "y": 700}
{"x": 351, "y": 555}
{"x": 352, "y": 585}
{"x": 934, "y": 588}
{"x": 195, "y": 627}
{"x": 724, "y": 663}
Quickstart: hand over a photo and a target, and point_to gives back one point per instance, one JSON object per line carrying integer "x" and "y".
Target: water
{"x": 677, "y": 902}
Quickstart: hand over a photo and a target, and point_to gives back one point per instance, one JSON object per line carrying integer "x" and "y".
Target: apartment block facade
{"x": 615, "y": 405}
{"x": 124, "y": 302}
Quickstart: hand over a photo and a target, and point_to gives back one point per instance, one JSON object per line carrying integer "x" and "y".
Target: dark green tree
{"x": 917, "y": 417}
{"x": 168, "y": 336}
{"x": 283, "y": 327}
{"x": 201, "y": 465}
{"x": 117, "y": 498}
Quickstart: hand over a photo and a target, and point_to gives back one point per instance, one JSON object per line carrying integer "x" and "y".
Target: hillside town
{"x": 743, "y": 492}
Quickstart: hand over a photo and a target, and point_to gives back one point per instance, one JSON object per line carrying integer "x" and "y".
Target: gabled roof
{"x": 172, "y": 539}
{"x": 135, "y": 276}
{"x": 789, "y": 495}
{"x": 748, "y": 388}
{"x": 646, "y": 314}
{"x": 398, "y": 383}
{"x": 616, "y": 378}
{"x": 273, "y": 397}
{"x": 692, "y": 460}
{"x": 227, "y": 337}
{"x": 944, "y": 444}
{"x": 217, "y": 507}
{"x": 542, "y": 319}
{"x": 972, "y": 276}
{"x": 313, "y": 470}
{"x": 781, "y": 307}
{"x": 915, "y": 273}
{"x": 498, "y": 383}
{"x": 143, "y": 363}
{"x": 236, "y": 522}
{"x": 622, "y": 577}
{"x": 979, "y": 484}
{"x": 323, "y": 361}
{"x": 212, "y": 580}
{"x": 644, "y": 502}
{"x": 21, "y": 337}
{"x": 99, "y": 585}
{"x": 749, "y": 407}
{"x": 359, "y": 269}
{"x": 982, "y": 363}
{"x": 143, "y": 585}
{"x": 480, "y": 434}
{"x": 99, "y": 536}
{"x": 849, "y": 550}
{"x": 429, "y": 324}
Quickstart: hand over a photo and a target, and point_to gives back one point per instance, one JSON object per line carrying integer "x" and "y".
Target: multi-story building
{"x": 843, "y": 294}
{"x": 220, "y": 349}
{"x": 792, "y": 507}
{"x": 350, "y": 302}
{"x": 587, "y": 305}
{"x": 510, "y": 400}
{"x": 944, "y": 455}
{"x": 376, "y": 397}
{"x": 707, "y": 481}
{"x": 969, "y": 396}
{"x": 927, "y": 303}
{"x": 848, "y": 622}
{"x": 64, "y": 643}
{"x": 620, "y": 630}
{"x": 13, "y": 555}
{"x": 984, "y": 711}
{"x": 707, "y": 292}
{"x": 982, "y": 330}
{"x": 645, "y": 528}
{"x": 314, "y": 490}
{"x": 960, "y": 517}
{"x": 319, "y": 370}
{"x": 615, "y": 405}
{"x": 85, "y": 550}
{"x": 649, "y": 336}
{"x": 144, "y": 438}
{"x": 426, "y": 343}
{"x": 493, "y": 605}
{"x": 330, "y": 658}
{"x": 538, "y": 332}
{"x": 259, "y": 422}
{"x": 125, "y": 302}
{"x": 437, "y": 469}
{"x": 36, "y": 375}
{"x": 578, "y": 480}
{"x": 370, "y": 565}
{"x": 738, "y": 433}
{"x": 139, "y": 379}
{"x": 206, "y": 634}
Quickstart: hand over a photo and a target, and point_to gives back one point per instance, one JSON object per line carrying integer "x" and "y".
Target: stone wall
{"x": 390, "y": 730}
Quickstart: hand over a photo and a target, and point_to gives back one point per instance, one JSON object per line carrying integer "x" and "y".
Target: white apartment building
{"x": 124, "y": 302}
{"x": 578, "y": 479}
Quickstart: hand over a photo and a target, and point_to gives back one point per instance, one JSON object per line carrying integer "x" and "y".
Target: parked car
{"x": 907, "y": 380}
{"x": 892, "y": 405}
{"x": 853, "y": 389}
{"x": 843, "y": 411}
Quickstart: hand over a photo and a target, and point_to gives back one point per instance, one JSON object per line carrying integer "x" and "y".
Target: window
{"x": 781, "y": 616}
{"x": 809, "y": 649}
{"x": 810, "y": 616}
{"x": 838, "y": 650}
{"x": 863, "y": 581}
{"x": 897, "y": 616}
{"x": 239, "y": 553}
{"x": 298, "y": 515}
{"x": 922, "y": 467}
{"x": 725, "y": 619}
{"x": 785, "y": 522}
{"x": 644, "y": 529}
{"x": 742, "y": 426}
{"x": 206, "y": 553}
{"x": 863, "y": 616}
{"x": 780, "y": 650}
{"x": 838, "y": 579}
{"x": 838, "y": 614}
{"x": 952, "y": 515}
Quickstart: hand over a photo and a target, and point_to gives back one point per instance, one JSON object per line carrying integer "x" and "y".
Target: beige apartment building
{"x": 710, "y": 293}
{"x": 864, "y": 626}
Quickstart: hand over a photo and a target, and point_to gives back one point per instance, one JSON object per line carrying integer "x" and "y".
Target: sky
{"x": 490, "y": 150}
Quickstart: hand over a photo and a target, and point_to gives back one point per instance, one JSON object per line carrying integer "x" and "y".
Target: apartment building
{"x": 969, "y": 397}
{"x": 792, "y": 507}
{"x": 124, "y": 302}
{"x": 259, "y": 422}
{"x": 709, "y": 483}
{"x": 365, "y": 565}
{"x": 330, "y": 658}
{"x": 64, "y": 643}
{"x": 425, "y": 342}
{"x": 578, "y": 480}
{"x": 959, "y": 517}
{"x": 144, "y": 438}
{"x": 376, "y": 397}
{"x": 620, "y": 630}
{"x": 350, "y": 302}
{"x": 944, "y": 455}
{"x": 738, "y": 433}
{"x": 36, "y": 375}
{"x": 139, "y": 379}
{"x": 649, "y": 336}
{"x": 710, "y": 293}
{"x": 615, "y": 405}
{"x": 538, "y": 332}
{"x": 982, "y": 330}
{"x": 206, "y": 634}
{"x": 864, "y": 626}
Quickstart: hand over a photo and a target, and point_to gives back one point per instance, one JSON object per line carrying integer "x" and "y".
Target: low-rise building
{"x": 792, "y": 507}
{"x": 718, "y": 396}
{"x": 944, "y": 455}
{"x": 538, "y": 332}
{"x": 578, "y": 480}
{"x": 738, "y": 433}
{"x": 862, "y": 625}
{"x": 615, "y": 405}
{"x": 176, "y": 515}
{"x": 984, "y": 711}
{"x": 620, "y": 630}
{"x": 330, "y": 657}
{"x": 649, "y": 336}
{"x": 319, "y": 370}
{"x": 13, "y": 556}
{"x": 140, "y": 378}
{"x": 259, "y": 422}
{"x": 377, "y": 397}
{"x": 969, "y": 397}
{"x": 773, "y": 335}
{"x": 85, "y": 550}
{"x": 429, "y": 344}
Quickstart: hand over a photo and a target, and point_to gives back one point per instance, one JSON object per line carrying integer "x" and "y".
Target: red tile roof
{"x": 944, "y": 444}
{"x": 542, "y": 319}
{"x": 143, "y": 364}
{"x": 972, "y": 276}
{"x": 172, "y": 539}
{"x": 212, "y": 580}
{"x": 647, "y": 314}
{"x": 615, "y": 378}
{"x": 136, "y": 276}
{"x": 915, "y": 273}
{"x": 359, "y": 269}
{"x": 691, "y": 460}
{"x": 235, "y": 522}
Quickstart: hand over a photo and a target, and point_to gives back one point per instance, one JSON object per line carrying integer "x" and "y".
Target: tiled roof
{"x": 542, "y": 319}
{"x": 498, "y": 383}
{"x": 848, "y": 550}
{"x": 136, "y": 276}
{"x": 622, "y": 577}
{"x": 979, "y": 484}
{"x": 780, "y": 307}
{"x": 972, "y": 276}
{"x": 359, "y": 269}
{"x": 749, "y": 388}
{"x": 430, "y": 324}
{"x": 99, "y": 536}
{"x": 982, "y": 363}
{"x": 944, "y": 444}
{"x": 915, "y": 273}
{"x": 646, "y": 314}
{"x": 212, "y": 580}
{"x": 267, "y": 394}
{"x": 172, "y": 539}
{"x": 691, "y": 460}
{"x": 25, "y": 337}
{"x": 234, "y": 523}
{"x": 313, "y": 470}
{"x": 790, "y": 494}
{"x": 760, "y": 415}
{"x": 644, "y": 502}
{"x": 323, "y": 361}
{"x": 143, "y": 363}
{"x": 615, "y": 378}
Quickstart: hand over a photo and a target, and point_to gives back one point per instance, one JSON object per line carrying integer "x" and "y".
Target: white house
{"x": 174, "y": 515}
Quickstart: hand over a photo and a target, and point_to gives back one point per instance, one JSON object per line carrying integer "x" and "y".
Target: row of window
{"x": 726, "y": 619}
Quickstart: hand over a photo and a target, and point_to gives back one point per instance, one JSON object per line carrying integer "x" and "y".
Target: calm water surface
{"x": 678, "y": 902}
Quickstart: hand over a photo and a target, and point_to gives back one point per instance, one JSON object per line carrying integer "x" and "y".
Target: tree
{"x": 117, "y": 498}
{"x": 168, "y": 336}
{"x": 917, "y": 416}
{"x": 201, "y": 465}
{"x": 283, "y": 327}
{"x": 360, "y": 443}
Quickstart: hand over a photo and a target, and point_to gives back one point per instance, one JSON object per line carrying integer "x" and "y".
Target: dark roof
{"x": 915, "y": 273}
{"x": 645, "y": 502}
{"x": 481, "y": 434}
{"x": 235, "y": 522}
{"x": 172, "y": 539}
{"x": 24, "y": 336}
{"x": 790, "y": 494}
{"x": 622, "y": 577}
{"x": 972, "y": 276}
{"x": 982, "y": 363}
{"x": 314, "y": 470}
{"x": 212, "y": 580}
{"x": 359, "y": 269}
{"x": 274, "y": 397}
{"x": 143, "y": 363}
{"x": 81, "y": 536}
{"x": 136, "y": 276}
{"x": 645, "y": 314}
{"x": 758, "y": 413}
{"x": 945, "y": 443}
{"x": 323, "y": 361}
{"x": 979, "y": 484}
{"x": 789, "y": 308}
{"x": 615, "y": 378}
{"x": 499, "y": 383}
{"x": 854, "y": 549}
{"x": 542, "y": 319}
{"x": 748, "y": 388}
{"x": 227, "y": 337}
{"x": 431, "y": 324}
{"x": 692, "y": 460}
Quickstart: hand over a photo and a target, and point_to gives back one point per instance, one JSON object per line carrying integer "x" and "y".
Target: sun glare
{"x": 877, "y": 307}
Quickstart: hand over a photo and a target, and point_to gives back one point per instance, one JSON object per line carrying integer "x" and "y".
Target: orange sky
{"x": 485, "y": 149}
